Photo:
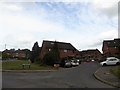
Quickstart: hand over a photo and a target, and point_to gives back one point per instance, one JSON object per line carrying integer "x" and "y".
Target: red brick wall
{"x": 89, "y": 55}
{"x": 62, "y": 53}
{"x": 110, "y": 51}
{"x": 67, "y": 54}
{"x": 43, "y": 52}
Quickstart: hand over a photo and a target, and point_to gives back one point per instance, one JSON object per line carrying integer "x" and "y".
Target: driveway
{"x": 76, "y": 77}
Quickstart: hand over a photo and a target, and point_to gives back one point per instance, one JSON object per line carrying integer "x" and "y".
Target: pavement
{"x": 28, "y": 71}
{"x": 103, "y": 74}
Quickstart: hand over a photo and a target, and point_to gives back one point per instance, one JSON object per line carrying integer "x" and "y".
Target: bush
{"x": 50, "y": 59}
{"x": 53, "y": 56}
{"x": 38, "y": 61}
{"x": 5, "y": 56}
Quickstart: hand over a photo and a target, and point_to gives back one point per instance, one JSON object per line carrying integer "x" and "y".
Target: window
{"x": 49, "y": 49}
{"x": 112, "y": 59}
{"x": 16, "y": 54}
{"x": 52, "y": 43}
{"x": 65, "y": 50}
{"x": 73, "y": 51}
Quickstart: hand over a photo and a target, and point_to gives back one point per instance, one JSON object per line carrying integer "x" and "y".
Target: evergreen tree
{"x": 55, "y": 52}
{"x": 53, "y": 56}
{"x": 35, "y": 52}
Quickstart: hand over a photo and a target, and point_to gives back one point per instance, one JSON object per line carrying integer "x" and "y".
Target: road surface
{"x": 76, "y": 77}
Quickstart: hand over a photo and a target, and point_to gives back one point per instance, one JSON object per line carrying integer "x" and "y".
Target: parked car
{"x": 79, "y": 61}
{"x": 68, "y": 63}
{"x": 92, "y": 60}
{"x": 88, "y": 60}
{"x": 74, "y": 62}
{"x": 110, "y": 61}
{"x": 65, "y": 63}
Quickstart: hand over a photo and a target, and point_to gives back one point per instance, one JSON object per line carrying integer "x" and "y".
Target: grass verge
{"x": 17, "y": 65}
{"x": 0, "y": 65}
{"x": 116, "y": 71}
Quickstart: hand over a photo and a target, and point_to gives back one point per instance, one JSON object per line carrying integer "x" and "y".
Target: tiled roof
{"x": 91, "y": 51}
{"x": 16, "y": 51}
{"x": 61, "y": 45}
{"x": 113, "y": 43}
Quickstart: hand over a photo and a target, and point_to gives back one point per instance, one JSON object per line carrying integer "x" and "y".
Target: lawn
{"x": 116, "y": 71}
{"x": 17, "y": 65}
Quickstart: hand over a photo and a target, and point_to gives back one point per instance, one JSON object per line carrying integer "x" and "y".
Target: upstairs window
{"x": 73, "y": 51}
{"x": 65, "y": 50}
{"x": 52, "y": 43}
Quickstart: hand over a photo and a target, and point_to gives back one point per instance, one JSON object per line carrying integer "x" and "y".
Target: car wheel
{"x": 117, "y": 63}
{"x": 104, "y": 64}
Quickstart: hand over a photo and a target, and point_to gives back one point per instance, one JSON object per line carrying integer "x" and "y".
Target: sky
{"x": 83, "y": 23}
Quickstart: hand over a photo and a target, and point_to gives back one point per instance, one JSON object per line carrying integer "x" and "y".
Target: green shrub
{"x": 53, "y": 56}
{"x": 39, "y": 61}
{"x": 50, "y": 58}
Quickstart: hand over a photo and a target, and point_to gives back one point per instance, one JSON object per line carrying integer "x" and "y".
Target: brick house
{"x": 111, "y": 48}
{"x": 22, "y": 54}
{"x": 8, "y": 53}
{"x": 19, "y": 54}
{"x": 66, "y": 50}
{"x": 92, "y": 54}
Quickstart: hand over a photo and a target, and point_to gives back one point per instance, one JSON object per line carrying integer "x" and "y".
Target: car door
{"x": 111, "y": 62}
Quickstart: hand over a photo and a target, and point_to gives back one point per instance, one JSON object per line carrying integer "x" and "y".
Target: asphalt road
{"x": 76, "y": 77}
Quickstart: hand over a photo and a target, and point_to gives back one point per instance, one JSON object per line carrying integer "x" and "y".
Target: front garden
{"x": 17, "y": 65}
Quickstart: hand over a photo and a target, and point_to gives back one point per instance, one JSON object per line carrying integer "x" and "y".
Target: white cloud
{"x": 111, "y": 34}
{"x": 106, "y": 7}
{"x": 23, "y": 21}
{"x": 106, "y": 35}
{"x": 26, "y": 23}
{"x": 104, "y": 3}
{"x": 25, "y": 38}
{"x": 96, "y": 41}
{"x": 10, "y": 7}
{"x": 22, "y": 28}
{"x": 18, "y": 28}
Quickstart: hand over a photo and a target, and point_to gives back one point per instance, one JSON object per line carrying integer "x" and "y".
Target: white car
{"x": 74, "y": 62}
{"x": 110, "y": 61}
{"x": 68, "y": 63}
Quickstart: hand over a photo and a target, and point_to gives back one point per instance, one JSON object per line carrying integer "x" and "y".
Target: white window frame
{"x": 65, "y": 50}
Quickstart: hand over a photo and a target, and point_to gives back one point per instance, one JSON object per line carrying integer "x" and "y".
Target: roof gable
{"x": 61, "y": 45}
{"x": 91, "y": 51}
{"x": 112, "y": 43}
